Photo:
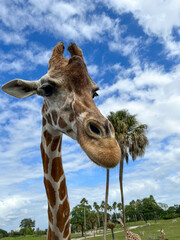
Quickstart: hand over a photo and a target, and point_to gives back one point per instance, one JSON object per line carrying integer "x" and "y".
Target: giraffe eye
{"x": 48, "y": 89}
{"x": 95, "y": 95}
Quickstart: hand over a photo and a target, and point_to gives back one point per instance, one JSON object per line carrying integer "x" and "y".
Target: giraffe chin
{"x": 103, "y": 152}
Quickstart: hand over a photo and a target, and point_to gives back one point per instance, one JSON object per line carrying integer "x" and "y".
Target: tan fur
{"x": 130, "y": 235}
{"x": 163, "y": 235}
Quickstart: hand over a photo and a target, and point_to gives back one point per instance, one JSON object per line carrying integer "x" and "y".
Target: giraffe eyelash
{"x": 95, "y": 94}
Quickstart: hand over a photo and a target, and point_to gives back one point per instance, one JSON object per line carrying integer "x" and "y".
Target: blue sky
{"x": 132, "y": 51}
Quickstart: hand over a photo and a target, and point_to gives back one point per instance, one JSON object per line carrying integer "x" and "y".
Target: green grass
{"x": 29, "y": 237}
{"x": 172, "y": 231}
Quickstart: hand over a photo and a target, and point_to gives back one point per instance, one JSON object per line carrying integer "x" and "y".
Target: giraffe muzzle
{"x": 97, "y": 139}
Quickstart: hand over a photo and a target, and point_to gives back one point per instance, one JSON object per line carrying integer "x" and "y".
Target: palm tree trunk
{"x": 112, "y": 231}
{"x": 122, "y": 194}
{"x": 85, "y": 221}
{"x": 82, "y": 229}
{"x": 106, "y": 202}
{"x": 98, "y": 218}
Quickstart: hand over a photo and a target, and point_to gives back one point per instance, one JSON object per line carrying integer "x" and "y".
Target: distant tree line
{"x": 27, "y": 227}
{"x": 86, "y": 217}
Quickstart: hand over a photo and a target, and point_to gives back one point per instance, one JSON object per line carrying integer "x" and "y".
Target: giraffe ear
{"x": 20, "y": 88}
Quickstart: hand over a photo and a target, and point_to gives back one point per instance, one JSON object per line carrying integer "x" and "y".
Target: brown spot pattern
{"x": 44, "y": 121}
{"x": 54, "y": 116}
{"x": 69, "y": 131}
{"x": 63, "y": 215}
{"x": 52, "y": 235}
{"x": 42, "y": 109}
{"x": 62, "y": 123}
{"x": 45, "y": 159}
{"x": 62, "y": 189}
{"x": 55, "y": 143}
{"x": 71, "y": 117}
{"x": 66, "y": 230}
{"x": 50, "y": 216}
{"x": 50, "y": 192}
{"x": 48, "y": 137}
{"x": 57, "y": 169}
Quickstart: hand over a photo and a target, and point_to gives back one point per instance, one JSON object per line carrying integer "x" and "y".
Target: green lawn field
{"x": 172, "y": 232}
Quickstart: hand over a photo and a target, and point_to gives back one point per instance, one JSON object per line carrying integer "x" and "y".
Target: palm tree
{"x": 84, "y": 202}
{"x": 131, "y": 136}
{"x": 102, "y": 206}
{"x": 97, "y": 207}
{"x": 92, "y": 219}
{"x": 114, "y": 206}
{"x": 119, "y": 206}
{"x": 109, "y": 208}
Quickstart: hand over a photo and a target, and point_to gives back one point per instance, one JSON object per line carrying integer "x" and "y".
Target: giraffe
{"x": 163, "y": 234}
{"x": 130, "y": 235}
{"x": 68, "y": 108}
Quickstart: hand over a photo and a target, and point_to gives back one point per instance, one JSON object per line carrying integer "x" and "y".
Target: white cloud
{"x": 92, "y": 69}
{"x": 15, "y": 207}
{"x": 12, "y": 38}
{"x": 136, "y": 186}
{"x": 149, "y": 94}
{"x": 157, "y": 18}
{"x": 172, "y": 47}
{"x": 24, "y": 59}
{"x": 12, "y": 208}
{"x": 20, "y": 128}
{"x": 77, "y": 21}
{"x": 71, "y": 20}
{"x": 13, "y": 66}
{"x": 125, "y": 46}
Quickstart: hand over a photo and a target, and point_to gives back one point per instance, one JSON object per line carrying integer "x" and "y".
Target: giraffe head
{"x": 69, "y": 108}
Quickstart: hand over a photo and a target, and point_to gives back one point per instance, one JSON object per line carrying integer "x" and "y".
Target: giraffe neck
{"x": 162, "y": 235}
{"x": 55, "y": 185}
{"x": 130, "y": 235}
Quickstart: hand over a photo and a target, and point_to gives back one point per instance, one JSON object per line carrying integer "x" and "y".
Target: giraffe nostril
{"x": 94, "y": 129}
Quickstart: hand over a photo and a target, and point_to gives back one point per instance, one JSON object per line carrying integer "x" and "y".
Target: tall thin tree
{"x": 131, "y": 136}
{"x": 84, "y": 202}
{"x": 97, "y": 207}
{"x": 106, "y": 203}
{"x": 114, "y": 206}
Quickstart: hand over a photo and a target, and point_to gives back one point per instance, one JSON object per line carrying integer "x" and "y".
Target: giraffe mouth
{"x": 103, "y": 157}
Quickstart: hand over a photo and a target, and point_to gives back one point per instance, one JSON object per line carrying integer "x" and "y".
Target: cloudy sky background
{"x": 132, "y": 50}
